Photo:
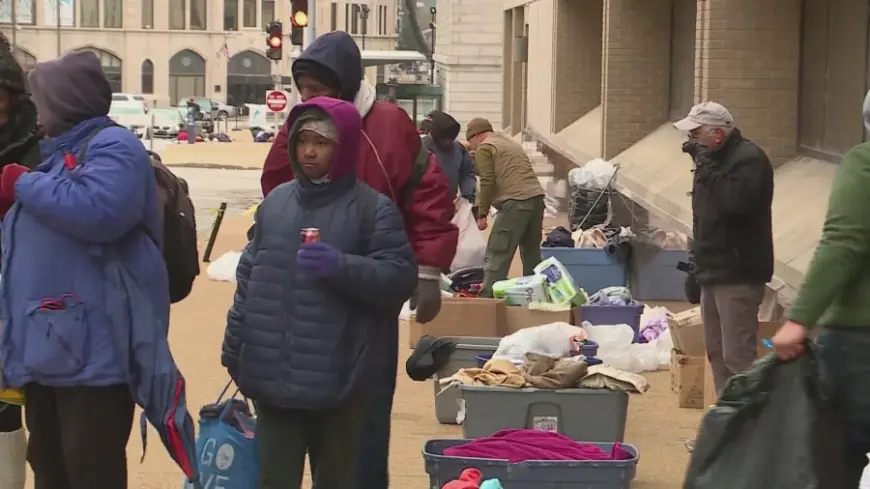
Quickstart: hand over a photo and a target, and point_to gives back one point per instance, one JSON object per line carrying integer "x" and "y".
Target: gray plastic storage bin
{"x": 654, "y": 274}
{"x": 593, "y": 415}
{"x": 464, "y": 356}
{"x": 531, "y": 474}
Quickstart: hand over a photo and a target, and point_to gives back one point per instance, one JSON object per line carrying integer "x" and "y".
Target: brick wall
{"x": 636, "y": 71}
{"x": 577, "y": 78}
{"x": 747, "y": 58}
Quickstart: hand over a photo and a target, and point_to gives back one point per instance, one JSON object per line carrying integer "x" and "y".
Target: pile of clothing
{"x": 519, "y": 445}
{"x": 544, "y": 372}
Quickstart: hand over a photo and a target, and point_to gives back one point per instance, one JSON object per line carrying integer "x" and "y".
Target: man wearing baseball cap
{"x": 732, "y": 248}
{"x": 508, "y": 183}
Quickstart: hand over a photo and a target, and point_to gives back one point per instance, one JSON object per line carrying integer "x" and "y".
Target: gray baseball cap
{"x": 705, "y": 114}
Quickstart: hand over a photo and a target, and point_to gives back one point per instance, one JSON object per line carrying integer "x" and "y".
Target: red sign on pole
{"x": 276, "y": 100}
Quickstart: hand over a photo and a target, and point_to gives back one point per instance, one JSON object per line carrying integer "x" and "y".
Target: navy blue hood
{"x": 333, "y": 58}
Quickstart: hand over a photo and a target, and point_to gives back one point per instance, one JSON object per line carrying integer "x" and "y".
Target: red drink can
{"x": 310, "y": 235}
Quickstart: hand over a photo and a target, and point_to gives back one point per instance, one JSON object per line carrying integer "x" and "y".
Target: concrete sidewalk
{"x": 235, "y": 155}
{"x": 196, "y": 334}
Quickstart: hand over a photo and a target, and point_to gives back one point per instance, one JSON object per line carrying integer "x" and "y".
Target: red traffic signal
{"x": 299, "y": 13}
{"x": 274, "y": 41}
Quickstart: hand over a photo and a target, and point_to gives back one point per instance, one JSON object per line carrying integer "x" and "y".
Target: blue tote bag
{"x": 226, "y": 447}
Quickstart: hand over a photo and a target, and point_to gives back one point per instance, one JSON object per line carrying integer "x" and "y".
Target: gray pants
{"x": 730, "y": 315}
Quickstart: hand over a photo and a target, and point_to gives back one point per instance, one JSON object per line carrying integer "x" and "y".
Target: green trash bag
{"x": 773, "y": 427}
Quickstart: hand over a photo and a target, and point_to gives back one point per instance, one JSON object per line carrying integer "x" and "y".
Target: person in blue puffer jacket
{"x": 307, "y": 335}
{"x": 57, "y": 340}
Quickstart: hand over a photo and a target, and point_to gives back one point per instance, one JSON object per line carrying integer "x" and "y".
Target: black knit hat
{"x": 302, "y": 67}
{"x": 444, "y": 127}
{"x": 11, "y": 74}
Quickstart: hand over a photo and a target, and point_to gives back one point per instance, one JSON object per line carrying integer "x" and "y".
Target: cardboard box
{"x": 673, "y": 306}
{"x": 687, "y": 380}
{"x": 766, "y": 330}
{"x": 687, "y": 332}
{"x": 461, "y": 316}
{"x": 521, "y": 317}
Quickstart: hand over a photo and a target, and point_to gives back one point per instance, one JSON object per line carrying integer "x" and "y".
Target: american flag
{"x": 224, "y": 51}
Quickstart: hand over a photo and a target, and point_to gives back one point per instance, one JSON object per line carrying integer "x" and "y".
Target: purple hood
{"x": 347, "y": 121}
{"x": 69, "y": 90}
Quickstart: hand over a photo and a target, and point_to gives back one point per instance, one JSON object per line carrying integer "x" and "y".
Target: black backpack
{"x": 180, "y": 251}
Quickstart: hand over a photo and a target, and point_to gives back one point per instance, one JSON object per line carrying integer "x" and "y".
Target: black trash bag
{"x": 773, "y": 427}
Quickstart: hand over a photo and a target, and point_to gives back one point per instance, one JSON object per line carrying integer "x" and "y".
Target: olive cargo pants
{"x": 518, "y": 223}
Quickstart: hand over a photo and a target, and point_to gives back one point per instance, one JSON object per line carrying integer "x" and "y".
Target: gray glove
{"x": 426, "y": 300}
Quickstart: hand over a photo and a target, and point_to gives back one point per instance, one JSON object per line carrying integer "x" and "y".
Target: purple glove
{"x": 318, "y": 259}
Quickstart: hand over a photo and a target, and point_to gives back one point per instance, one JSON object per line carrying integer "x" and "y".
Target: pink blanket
{"x": 521, "y": 445}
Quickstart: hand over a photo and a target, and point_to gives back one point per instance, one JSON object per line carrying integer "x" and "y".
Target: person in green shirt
{"x": 836, "y": 297}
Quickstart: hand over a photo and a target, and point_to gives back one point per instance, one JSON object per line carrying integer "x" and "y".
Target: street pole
{"x": 57, "y": 12}
{"x": 310, "y": 30}
{"x": 364, "y": 16}
{"x": 432, "y": 11}
{"x": 15, "y": 25}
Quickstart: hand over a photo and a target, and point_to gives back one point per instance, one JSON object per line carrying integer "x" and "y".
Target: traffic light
{"x": 275, "y": 41}
{"x": 298, "y": 21}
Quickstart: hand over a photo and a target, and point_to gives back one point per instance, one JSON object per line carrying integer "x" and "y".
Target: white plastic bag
{"x": 556, "y": 340}
{"x": 595, "y": 174}
{"x": 224, "y": 268}
{"x": 865, "y": 479}
{"x": 472, "y": 245}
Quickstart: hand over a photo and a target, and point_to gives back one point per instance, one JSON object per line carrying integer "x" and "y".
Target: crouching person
{"x": 93, "y": 191}
{"x": 308, "y": 332}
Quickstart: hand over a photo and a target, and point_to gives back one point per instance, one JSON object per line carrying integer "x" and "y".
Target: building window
{"x": 231, "y": 15}
{"x": 833, "y": 76}
{"x": 682, "y": 90}
{"x": 249, "y": 13}
{"x": 89, "y": 13}
{"x": 354, "y": 19}
{"x": 186, "y": 76}
{"x": 268, "y": 12}
{"x": 113, "y": 16}
{"x": 347, "y": 17}
{"x": 147, "y": 76}
{"x": 147, "y": 14}
{"x": 198, "y": 15}
{"x": 178, "y": 14}
{"x": 333, "y": 16}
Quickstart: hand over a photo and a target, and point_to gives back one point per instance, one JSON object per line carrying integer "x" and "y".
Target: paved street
{"x": 240, "y": 189}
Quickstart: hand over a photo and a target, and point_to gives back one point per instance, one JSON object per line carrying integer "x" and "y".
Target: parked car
{"x": 165, "y": 123}
{"x": 206, "y": 107}
{"x": 132, "y": 98}
{"x": 131, "y": 116}
{"x": 224, "y": 111}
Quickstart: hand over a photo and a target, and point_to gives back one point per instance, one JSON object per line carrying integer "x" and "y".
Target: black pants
{"x": 845, "y": 355}
{"x": 78, "y": 436}
{"x": 10, "y": 418}
{"x": 330, "y": 437}
{"x": 372, "y": 466}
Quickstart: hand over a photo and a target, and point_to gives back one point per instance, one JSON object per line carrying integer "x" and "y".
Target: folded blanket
{"x": 520, "y": 445}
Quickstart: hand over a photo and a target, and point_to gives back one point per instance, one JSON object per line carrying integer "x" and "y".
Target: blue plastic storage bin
{"x": 596, "y": 315}
{"x": 592, "y": 269}
{"x": 532, "y": 474}
{"x": 654, "y": 275}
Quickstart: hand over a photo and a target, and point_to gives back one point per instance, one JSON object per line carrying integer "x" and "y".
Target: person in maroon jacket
{"x": 332, "y": 66}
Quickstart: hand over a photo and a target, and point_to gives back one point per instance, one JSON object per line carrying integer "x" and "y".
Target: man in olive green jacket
{"x": 508, "y": 183}
{"x": 836, "y": 297}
